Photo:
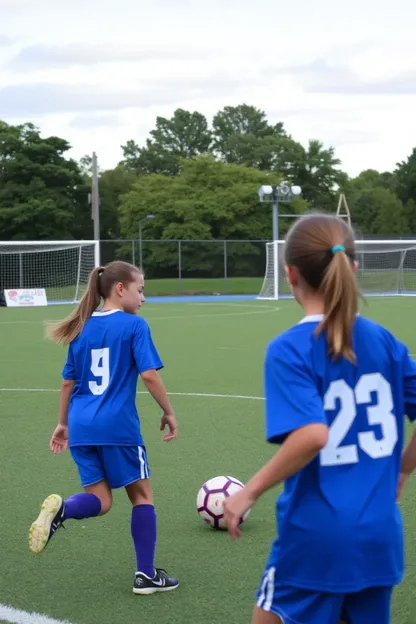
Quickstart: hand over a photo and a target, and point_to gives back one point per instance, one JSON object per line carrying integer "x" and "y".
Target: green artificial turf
{"x": 85, "y": 575}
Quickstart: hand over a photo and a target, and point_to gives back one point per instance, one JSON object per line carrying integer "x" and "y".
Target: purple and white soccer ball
{"x": 210, "y": 500}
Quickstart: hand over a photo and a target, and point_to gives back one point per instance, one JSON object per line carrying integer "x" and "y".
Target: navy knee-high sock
{"x": 80, "y": 506}
{"x": 143, "y": 532}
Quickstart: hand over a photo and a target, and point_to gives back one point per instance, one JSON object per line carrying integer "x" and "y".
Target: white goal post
{"x": 62, "y": 268}
{"x": 386, "y": 268}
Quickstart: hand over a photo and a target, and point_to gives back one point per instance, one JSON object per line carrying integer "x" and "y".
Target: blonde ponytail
{"x": 67, "y": 330}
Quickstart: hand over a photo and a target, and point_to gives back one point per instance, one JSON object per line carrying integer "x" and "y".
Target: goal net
{"x": 386, "y": 267}
{"x": 62, "y": 268}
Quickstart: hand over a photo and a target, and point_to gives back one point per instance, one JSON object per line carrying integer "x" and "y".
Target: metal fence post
{"x": 225, "y": 268}
{"x": 21, "y": 271}
{"x": 180, "y": 267}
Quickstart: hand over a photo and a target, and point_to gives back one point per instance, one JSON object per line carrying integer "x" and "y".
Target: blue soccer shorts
{"x": 299, "y": 606}
{"x": 119, "y": 465}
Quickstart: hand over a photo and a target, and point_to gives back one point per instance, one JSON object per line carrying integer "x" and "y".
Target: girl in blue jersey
{"x": 108, "y": 349}
{"x": 337, "y": 388}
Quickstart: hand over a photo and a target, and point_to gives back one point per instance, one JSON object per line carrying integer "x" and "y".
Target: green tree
{"x": 113, "y": 184}
{"x": 206, "y": 200}
{"x": 42, "y": 193}
{"x": 315, "y": 169}
{"x": 85, "y": 165}
{"x": 371, "y": 178}
{"x": 410, "y": 213}
{"x": 243, "y": 136}
{"x": 405, "y": 178}
{"x": 378, "y": 211}
{"x": 184, "y": 135}
{"x": 374, "y": 205}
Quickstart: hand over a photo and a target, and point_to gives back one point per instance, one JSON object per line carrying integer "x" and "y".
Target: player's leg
{"x": 148, "y": 578}
{"x": 143, "y": 525}
{"x": 369, "y": 605}
{"x": 55, "y": 510}
{"x": 128, "y": 467}
{"x": 100, "y": 490}
{"x": 265, "y": 617}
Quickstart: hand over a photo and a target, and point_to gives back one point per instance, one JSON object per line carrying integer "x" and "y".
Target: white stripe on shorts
{"x": 262, "y": 591}
{"x": 144, "y": 470}
{"x": 265, "y": 600}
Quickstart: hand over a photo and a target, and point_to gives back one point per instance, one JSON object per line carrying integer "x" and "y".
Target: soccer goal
{"x": 62, "y": 268}
{"x": 386, "y": 267}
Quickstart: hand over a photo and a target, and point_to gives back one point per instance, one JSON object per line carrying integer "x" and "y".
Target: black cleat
{"x": 47, "y": 523}
{"x": 161, "y": 582}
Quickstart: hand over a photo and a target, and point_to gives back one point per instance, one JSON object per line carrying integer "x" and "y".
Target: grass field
{"x": 213, "y": 354}
{"x": 186, "y": 286}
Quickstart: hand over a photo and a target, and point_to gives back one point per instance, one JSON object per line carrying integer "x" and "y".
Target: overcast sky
{"x": 98, "y": 72}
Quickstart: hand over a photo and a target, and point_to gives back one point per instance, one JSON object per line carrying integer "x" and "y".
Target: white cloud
{"x": 89, "y": 121}
{"x": 404, "y": 84}
{"x": 320, "y": 76}
{"x": 25, "y": 99}
{"x": 43, "y": 56}
{"x": 43, "y": 99}
{"x": 98, "y": 73}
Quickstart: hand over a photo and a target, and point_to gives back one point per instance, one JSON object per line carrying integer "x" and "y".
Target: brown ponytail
{"x": 322, "y": 248}
{"x": 100, "y": 283}
{"x": 339, "y": 288}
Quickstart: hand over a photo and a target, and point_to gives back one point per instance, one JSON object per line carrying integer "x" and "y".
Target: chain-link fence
{"x": 193, "y": 266}
{"x": 180, "y": 267}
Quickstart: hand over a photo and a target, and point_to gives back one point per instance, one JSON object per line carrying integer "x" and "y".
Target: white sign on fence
{"x": 25, "y": 297}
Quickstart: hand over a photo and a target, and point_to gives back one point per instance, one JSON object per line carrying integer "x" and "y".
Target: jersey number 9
{"x": 100, "y": 367}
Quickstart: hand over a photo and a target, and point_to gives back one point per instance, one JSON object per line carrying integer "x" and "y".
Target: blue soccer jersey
{"x": 105, "y": 360}
{"x": 339, "y": 526}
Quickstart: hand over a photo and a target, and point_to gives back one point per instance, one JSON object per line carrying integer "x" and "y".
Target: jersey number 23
{"x": 381, "y": 414}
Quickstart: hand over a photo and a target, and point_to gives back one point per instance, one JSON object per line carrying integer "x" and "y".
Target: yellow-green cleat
{"x": 47, "y": 523}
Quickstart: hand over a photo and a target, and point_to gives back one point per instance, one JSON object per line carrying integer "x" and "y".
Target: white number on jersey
{"x": 100, "y": 367}
{"x": 334, "y": 454}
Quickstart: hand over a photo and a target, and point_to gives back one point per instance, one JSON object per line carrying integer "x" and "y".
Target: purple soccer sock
{"x": 143, "y": 532}
{"x": 80, "y": 506}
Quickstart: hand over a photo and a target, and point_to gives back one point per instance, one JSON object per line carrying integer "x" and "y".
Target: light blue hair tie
{"x": 336, "y": 248}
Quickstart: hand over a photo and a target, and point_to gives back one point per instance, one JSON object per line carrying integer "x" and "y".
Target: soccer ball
{"x": 210, "y": 500}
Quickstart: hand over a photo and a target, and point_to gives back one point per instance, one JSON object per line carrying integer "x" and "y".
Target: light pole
{"x": 276, "y": 194}
{"x": 140, "y": 237}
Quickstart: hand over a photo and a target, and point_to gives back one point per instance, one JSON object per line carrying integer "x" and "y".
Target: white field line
{"x": 16, "y": 616}
{"x": 20, "y": 322}
{"x": 214, "y": 315}
{"x": 150, "y": 319}
{"x": 230, "y": 304}
{"x": 185, "y": 394}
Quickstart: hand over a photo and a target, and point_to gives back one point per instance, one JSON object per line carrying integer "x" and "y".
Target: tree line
{"x": 199, "y": 180}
